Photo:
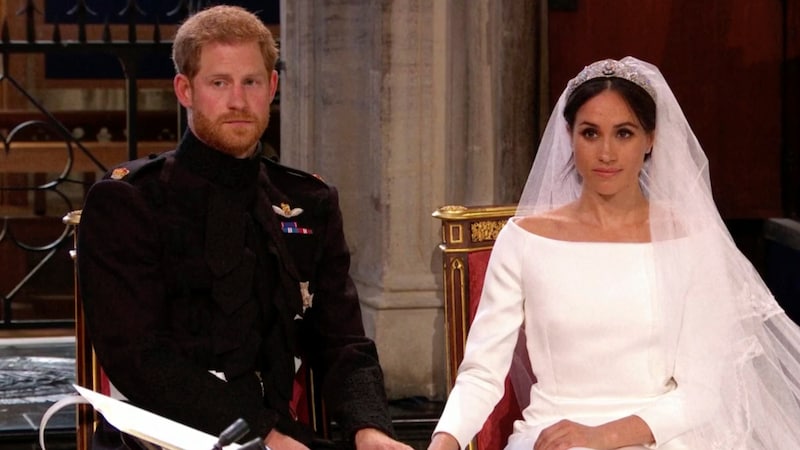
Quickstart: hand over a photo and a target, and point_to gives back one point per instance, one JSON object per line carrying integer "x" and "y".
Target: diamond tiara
{"x": 609, "y": 68}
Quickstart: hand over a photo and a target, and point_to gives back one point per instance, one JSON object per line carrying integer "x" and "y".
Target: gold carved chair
{"x": 87, "y": 370}
{"x": 307, "y": 401}
{"x": 468, "y": 235}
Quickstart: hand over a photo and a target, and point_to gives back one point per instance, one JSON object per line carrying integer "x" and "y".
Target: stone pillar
{"x": 396, "y": 103}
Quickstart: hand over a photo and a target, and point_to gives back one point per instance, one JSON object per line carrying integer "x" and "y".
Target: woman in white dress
{"x": 646, "y": 327}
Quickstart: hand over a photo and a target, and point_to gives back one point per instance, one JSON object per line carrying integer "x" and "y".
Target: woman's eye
{"x": 624, "y": 133}
{"x": 589, "y": 133}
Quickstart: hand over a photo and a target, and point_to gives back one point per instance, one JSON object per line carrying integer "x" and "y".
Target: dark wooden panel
{"x": 722, "y": 58}
{"x": 791, "y": 124}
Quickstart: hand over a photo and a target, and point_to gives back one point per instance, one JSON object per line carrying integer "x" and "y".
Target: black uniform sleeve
{"x": 353, "y": 381}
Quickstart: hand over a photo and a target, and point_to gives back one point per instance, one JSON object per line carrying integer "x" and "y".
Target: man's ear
{"x": 183, "y": 89}
{"x": 273, "y": 84}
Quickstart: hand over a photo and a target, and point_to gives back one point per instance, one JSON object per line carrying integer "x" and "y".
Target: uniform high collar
{"x": 216, "y": 166}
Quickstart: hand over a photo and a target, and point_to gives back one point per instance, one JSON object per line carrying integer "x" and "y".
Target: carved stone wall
{"x": 406, "y": 106}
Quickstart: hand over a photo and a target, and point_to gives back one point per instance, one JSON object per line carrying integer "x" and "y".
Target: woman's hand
{"x": 567, "y": 434}
{"x": 443, "y": 441}
{"x": 630, "y": 430}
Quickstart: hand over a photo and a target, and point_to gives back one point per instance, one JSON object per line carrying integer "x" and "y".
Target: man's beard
{"x": 238, "y": 142}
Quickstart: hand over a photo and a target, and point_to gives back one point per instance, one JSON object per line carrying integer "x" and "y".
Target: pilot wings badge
{"x": 284, "y": 210}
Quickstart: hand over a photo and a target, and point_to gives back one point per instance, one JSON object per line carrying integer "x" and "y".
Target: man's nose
{"x": 237, "y": 98}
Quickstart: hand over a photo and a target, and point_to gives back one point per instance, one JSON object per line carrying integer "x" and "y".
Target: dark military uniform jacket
{"x": 194, "y": 261}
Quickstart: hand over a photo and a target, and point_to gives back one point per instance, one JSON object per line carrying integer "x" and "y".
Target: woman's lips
{"x": 606, "y": 172}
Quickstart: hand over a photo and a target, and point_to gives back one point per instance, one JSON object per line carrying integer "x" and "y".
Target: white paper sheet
{"x": 148, "y": 426}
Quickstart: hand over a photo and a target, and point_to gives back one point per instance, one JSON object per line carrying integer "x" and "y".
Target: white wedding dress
{"x": 596, "y": 337}
{"x": 682, "y": 331}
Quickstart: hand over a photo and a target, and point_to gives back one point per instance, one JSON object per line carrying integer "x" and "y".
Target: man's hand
{"x": 373, "y": 439}
{"x": 567, "y": 434}
{"x": 279, "y": 441}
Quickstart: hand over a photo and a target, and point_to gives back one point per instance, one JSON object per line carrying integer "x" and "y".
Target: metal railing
{"x": 25, "y": 251}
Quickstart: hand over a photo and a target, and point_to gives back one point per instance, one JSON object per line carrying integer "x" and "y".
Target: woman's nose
{"x": 606, "y": 154}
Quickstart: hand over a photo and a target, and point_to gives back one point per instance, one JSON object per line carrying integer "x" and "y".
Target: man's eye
{"x": 255, "y": 82}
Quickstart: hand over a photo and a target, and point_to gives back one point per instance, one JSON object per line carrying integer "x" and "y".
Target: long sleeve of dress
{"x": 490, "y": 344}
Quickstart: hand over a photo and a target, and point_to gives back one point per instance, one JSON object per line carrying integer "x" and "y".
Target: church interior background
{"x": 405, "y": 106}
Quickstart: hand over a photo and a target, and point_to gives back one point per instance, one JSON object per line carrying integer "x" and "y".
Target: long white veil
{"x": 747, "y": 356}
